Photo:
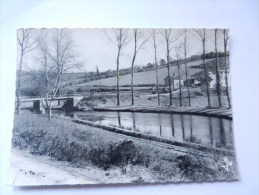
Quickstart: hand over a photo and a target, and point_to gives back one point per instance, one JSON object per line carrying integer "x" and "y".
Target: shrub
{"x": 70, "y": 91}
{"x": 120, "y": 154}
{"x": 103, "y": 99}
{"x": 79, "y": 90}
{"x": 63, "y": 141}
{"x": 31, "y": 91}
{"x": 197, "y": 93}
{"x": 197, "y": 168}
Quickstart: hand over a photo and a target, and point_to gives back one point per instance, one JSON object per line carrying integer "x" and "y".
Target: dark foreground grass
{"x": 84, "y": 146}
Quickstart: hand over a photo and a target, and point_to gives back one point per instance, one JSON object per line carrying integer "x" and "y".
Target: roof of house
{"x": 200, "y": 76}
{"x": 173, "y": 77}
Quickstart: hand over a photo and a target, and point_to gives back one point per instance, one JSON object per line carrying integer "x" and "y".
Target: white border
{"x": 242, "y": 17}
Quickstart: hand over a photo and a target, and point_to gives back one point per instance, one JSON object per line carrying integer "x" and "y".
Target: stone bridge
{"x": 38, "y": 103}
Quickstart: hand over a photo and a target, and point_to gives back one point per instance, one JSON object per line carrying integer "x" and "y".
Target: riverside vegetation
{"x": 84, "y": 146}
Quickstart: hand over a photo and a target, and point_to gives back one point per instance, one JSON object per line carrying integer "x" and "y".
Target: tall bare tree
{"x": 42, "y": 73}
{"x": 169, "y": 39}
{"x": 155, "y": 50}
{"x": 178, "y": 56}
{"x": 202, "y": 35}
{"x": 55, "y": 56}
{"x": 218, "y": 82}
{"x": 120, "y": 38}
{"x": 226, "y": 38}
{"x": 97, "y": 72}
{"x": 185, "y": 47}
{"x": 26, "y": 43}
{"x": 139, "y": 41}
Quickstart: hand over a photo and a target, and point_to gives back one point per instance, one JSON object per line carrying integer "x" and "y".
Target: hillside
{"x": 149, "y": 77}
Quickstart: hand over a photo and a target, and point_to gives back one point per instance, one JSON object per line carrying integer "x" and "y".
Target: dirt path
{"x": 29, "y": 170}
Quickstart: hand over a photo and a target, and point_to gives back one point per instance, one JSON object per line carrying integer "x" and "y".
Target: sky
{"x": 93, "y": 47}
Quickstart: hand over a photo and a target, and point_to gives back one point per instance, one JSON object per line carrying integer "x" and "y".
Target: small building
{"x": 212, "y": 83}
{"x": 203, "y": 84}
{"x": 174, "y": 82}
{"x": 191, "y": 82}
{"x": 200, "y": 81}
{"x": 223, "y": 78}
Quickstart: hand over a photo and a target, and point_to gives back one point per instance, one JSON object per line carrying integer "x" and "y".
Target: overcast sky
{"x": 94, "y": 48}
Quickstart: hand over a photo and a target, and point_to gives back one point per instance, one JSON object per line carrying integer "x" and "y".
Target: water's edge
{"x": 119, "y": 130}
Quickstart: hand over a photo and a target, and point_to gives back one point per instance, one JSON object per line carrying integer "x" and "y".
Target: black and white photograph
{"x": 122, "y": 105}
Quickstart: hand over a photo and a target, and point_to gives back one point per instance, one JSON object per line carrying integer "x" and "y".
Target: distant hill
{"x": 143, "y": 76}
{"x": 149, "y": 77}
{"x": 77, "y": 78}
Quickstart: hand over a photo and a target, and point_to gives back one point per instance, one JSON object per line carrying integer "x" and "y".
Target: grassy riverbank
{"x": 114, "y": 156}
{"x": 198, "y": 100}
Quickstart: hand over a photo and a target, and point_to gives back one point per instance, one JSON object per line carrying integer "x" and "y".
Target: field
{"x": 149, "y": 77}
{"x": 198, "y": 99}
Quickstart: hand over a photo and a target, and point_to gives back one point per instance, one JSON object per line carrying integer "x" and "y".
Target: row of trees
{"x": 54, "y": 56}
{"x": 121, "y": 37}
{"x": 202, "y": 35}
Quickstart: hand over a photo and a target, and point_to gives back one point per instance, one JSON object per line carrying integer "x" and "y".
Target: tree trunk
{"x": 132, "y": 67}
{"x": 49, "y": 108}
{"x": 18, "y": 93}
{"x": 226, "y": 72}
{"x": 187, "y": 83}
{"x": 132, "y": 78}
{"x": 205, "y": 69}
{"x": 169, "y": 79}
{"x": 179, "y": 79}
{"x": 118, "y": 75}
{"x": 58, "y": 95}
{"x": 49, "y": 112}
{"x": 172, "y": 123}
{"x": 218, "y": 87}
{"x": 157, "y": 85}
{"x": 182, "y": 124}
{"x": 173, "y": 82}
{"x": 186, "y": 73}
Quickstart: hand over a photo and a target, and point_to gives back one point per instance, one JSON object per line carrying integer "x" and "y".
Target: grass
{"x": 125, "y": 127}
{"x": 198, "y": 99}
{"x": 85, "y": 146}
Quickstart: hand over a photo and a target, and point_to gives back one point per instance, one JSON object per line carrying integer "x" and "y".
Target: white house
{"x": 222, "y": 79}
{"x": 174, "y": 81}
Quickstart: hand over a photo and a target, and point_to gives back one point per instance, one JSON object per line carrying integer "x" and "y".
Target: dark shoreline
{"x": 210, "y": 112}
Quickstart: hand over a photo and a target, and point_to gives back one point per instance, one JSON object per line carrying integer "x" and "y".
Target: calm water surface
{"x": 210, "y": 131}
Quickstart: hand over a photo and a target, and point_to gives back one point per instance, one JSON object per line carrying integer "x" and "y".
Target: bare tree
{"x": 202, "y": 34}
{"x": 55, "y": 56}
{"x": 120, "y": 38}
{"x": 155, "y": 50}
{"x": 26, "y": 43}
{"x": 185, "y": 47}
{"x": 139, "y": 41}
{"x": 178, "y": 55}
{"x": 226, "y": 38}
{"x": 218, "y": 85}
{"x": 97, "y": 72}
{"x": 169, "y": 39}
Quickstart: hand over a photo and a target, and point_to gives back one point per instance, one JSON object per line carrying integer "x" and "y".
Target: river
{"x": 209, "y": 131}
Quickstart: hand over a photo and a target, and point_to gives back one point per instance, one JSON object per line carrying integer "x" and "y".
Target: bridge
{"x": 69, "y": 102}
